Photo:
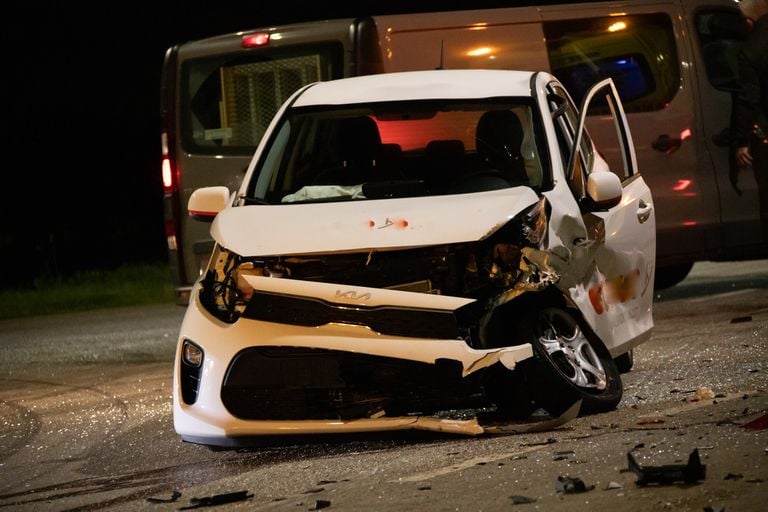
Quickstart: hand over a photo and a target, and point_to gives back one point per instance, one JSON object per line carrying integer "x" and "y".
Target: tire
{"x": 570, "y": 364}
{"x": 670, "y": 275}
{"x": 625, "y": 362}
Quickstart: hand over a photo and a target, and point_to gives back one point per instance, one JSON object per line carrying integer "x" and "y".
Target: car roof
{"x": 418, "y": 85}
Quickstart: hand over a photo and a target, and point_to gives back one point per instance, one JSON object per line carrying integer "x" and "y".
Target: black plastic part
{"x": 668, "y": 474}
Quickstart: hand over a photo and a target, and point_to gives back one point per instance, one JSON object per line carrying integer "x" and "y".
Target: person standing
{"x": 751, "y": 112}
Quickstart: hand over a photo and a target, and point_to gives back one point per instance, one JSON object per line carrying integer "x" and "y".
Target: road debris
{"x": 571, "y": 485}
{"x": 218, "y": 499}
{"x": 521, "y": 500}
{"x": 668, "y": 474}
{"x": 703, "y": 393}
{"x": 613, "y": 485}
{"x": 741, "y": 319}
{"x": 174, "y": 496}
{"x": 320, "y": 504}
{"x": 760, "y": 423}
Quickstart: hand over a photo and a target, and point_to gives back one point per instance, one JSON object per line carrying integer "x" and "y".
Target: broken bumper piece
{"x": 471, "y": 427}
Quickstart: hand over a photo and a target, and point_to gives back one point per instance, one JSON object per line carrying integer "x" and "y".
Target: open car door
{"x": 617, "y": 295}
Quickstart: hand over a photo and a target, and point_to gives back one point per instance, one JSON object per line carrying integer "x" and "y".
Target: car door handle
{"x": 643, "y": 211}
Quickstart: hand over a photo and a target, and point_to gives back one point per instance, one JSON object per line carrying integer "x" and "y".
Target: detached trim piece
{"x": 390, "y": 320}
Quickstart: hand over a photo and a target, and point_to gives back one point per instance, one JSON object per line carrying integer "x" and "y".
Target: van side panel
{"x": 683, "y": 191}
{"x": 494, "y": 38}
{"x": 716, "y": 35}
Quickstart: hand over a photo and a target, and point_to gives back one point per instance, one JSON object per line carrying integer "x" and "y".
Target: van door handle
{"x": 643, "y": 211}
{"x": 666, "y": 144}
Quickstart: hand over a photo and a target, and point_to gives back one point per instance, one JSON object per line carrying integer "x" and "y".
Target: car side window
{"x": 566, "y": 119}
{"x": 720, "y": 34}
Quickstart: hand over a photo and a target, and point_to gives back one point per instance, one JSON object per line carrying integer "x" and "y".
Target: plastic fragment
{"x": 760, "y": 423}
{"x": 613, "y": 485}
{"x": 320, "y": 504}
{"x": 670, "y": 473}
{"x": 651, "y": 421}
{"x": 571, "y": 485}
{"x": 521, "y": 500}
{"x": 218, "y": 499}
{"x": 174, "y": 496}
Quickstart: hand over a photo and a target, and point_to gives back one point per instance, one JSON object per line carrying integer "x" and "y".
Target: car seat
{"x": 498, "y": 137}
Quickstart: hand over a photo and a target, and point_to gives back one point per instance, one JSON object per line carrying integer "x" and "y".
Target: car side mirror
{"x": 603, "y": 190}
{"x": 205, "y": 203}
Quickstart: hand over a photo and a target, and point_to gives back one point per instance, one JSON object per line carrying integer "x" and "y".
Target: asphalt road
{"x": 85, "y": 424}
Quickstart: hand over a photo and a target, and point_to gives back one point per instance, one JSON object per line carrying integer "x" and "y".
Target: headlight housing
{"x": 225, "y": 292}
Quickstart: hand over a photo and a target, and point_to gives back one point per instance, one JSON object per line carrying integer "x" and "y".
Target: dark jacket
{"x": 752, "y": 99}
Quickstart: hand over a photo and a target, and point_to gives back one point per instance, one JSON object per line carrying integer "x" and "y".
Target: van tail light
{"x": 258, "y": 39}
{"x": 169, "y": 173}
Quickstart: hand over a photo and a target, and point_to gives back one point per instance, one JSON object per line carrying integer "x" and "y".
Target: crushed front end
{"x": 392, "y": 338}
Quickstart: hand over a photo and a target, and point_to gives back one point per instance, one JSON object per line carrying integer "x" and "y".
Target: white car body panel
{"x": 419, "y": 85}
{"x": 356, "y": 295}
{"x": 379, "y": 224}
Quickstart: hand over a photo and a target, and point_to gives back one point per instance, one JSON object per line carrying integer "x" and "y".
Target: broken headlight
{"x": 225, "y": 291}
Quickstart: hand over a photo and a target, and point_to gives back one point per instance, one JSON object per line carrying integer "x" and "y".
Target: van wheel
{"x": 571, "y": 364}
{"x": 670, "y": 275}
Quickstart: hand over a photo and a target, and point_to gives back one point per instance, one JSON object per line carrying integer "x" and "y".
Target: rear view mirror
{"x": 604, "y": 190}
{"x": 205, "y": 203}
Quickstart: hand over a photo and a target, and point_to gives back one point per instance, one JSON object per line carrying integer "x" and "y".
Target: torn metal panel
{"x": 536, "y": 274}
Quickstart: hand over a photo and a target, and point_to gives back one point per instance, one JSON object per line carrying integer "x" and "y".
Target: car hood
{"x": 262, "y": 230}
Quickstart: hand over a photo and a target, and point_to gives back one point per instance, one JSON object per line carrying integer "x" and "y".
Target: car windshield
{"x": 400, "y": 149}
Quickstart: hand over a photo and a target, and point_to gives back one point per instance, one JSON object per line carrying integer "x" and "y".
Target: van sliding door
{"x": 719, "y": 33}
{"x": 637, "y": 47}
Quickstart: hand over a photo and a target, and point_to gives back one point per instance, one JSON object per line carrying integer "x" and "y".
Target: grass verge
{"x": 126, "y": 286}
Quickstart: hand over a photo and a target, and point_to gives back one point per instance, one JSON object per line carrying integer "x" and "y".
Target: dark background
{"x": 81, "y": 185}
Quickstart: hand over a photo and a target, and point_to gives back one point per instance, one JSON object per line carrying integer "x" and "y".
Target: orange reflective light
{"x": 685, "y": 134}
{"x": 617, "y": 25}
{"x": 682, "y": 185}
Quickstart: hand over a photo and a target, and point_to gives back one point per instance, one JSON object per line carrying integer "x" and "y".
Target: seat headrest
{"x": 359, "y": 138}
{"x": 496, "y": 129}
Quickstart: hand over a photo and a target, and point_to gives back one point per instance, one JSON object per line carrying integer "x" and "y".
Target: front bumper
{"x": 210, "y": 418}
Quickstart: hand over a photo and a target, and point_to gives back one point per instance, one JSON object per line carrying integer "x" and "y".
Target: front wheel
{"x": 571, "y": 364}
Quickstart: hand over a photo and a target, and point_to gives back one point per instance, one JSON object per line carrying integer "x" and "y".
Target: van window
{"x": 637, "y": 51}
{"x": 721, "y": 34}
{"x": 229, "y": 100}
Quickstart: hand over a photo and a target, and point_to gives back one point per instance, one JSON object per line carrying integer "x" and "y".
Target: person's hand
{"x": 743, "y": 158}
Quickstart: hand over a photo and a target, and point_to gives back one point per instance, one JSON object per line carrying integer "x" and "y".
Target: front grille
{"x": 289, "y": 383}
{"x": 391, "y": 320}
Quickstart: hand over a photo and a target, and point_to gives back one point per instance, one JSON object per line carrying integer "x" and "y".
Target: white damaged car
{"x": 442, "y": 250}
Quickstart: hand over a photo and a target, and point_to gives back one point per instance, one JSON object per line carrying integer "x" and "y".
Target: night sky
{"x": 81, "y": 184}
